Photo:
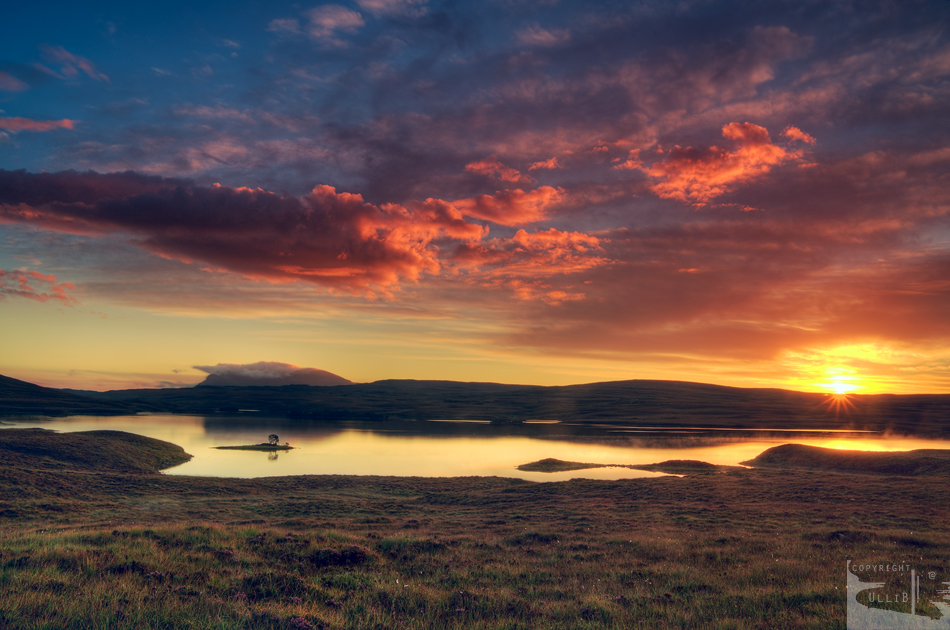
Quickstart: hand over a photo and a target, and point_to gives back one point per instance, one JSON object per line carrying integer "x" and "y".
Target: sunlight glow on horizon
{"x": 840, "y": 381}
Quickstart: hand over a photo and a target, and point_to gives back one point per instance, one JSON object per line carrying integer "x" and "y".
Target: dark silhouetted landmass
{"x": 551, "y": 465}
{"x": 302, "y": 376}
{"x": 19, "y": 398}
{"x": 924, "y": 462}
{"x": 684, "y": 467}
{"x": 637, "y": 403}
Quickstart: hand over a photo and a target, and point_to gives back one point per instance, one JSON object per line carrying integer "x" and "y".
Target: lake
{"x": 452, "y": 449}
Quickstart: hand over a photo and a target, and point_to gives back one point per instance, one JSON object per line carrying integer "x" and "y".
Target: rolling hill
{"x": 630, "y": 403}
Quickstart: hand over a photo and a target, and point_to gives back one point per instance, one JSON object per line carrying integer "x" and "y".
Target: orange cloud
{"x": 697, "y": 175}
{"x": 545, "y": 164}
{"x": 512, "y": 207}
{"x": 493, "y": 168}
{"x": 34, "y": 285}
{"x": 552, "y": 239}
{"x": 26, "y": 124}
{"x": 794, "y": 133}
{"x": 632, "y": 162}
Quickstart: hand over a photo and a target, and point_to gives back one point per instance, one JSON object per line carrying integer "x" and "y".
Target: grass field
{"x": 86, "y": 546}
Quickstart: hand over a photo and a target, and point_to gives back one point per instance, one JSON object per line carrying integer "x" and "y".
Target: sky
{"x": 522, "y": 191}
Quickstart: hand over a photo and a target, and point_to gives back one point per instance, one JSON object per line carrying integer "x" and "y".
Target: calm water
{"x": 452, "y": 449}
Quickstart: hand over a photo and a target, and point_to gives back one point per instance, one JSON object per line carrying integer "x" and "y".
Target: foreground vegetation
{"x": 85, "y": 546}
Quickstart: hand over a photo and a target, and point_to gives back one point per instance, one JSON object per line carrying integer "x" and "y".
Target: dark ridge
{"x": 924, "y": 462}
{"x": 19, "y": 398}
{"x": 636, "y": 403}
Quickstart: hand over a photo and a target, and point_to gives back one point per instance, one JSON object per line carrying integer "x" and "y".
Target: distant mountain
{"x": 302, "y": 376}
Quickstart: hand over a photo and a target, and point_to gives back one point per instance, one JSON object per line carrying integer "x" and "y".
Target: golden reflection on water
{"x": 452, "y": 450}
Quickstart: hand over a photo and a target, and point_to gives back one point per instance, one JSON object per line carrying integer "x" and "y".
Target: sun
{"x": 840, "y": 388}
{"x": 839, "y": 381}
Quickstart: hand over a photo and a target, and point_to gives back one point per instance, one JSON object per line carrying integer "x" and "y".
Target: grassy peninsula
{"x": 106, "y": 542}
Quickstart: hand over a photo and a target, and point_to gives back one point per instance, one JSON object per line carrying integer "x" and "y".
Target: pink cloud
{"x": 545, "y": 164}
{"x": 328, "y": 20}
{"x": 216, "y": 112}
{"x": 33, "y": 285}
{"x": 535, "y": 35}
{"x": 493, "y": 168}
{"x": 71, "y": 65}
{"x": 26, "y": 124}
{"x": 10, "y": 83}
{"x": 697, "y": 175}
{"x": 413, "y": 8}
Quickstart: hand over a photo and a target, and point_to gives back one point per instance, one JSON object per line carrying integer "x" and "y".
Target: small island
{"x": 673, "y": 467}
{"x": 256, "y": 447}
{"x": 272, "y": 444}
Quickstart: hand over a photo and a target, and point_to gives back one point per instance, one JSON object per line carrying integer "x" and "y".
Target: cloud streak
{"x": 33, "y": 285}
{"x": 17, "y": 124}
{"x": 70, "y": 65}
